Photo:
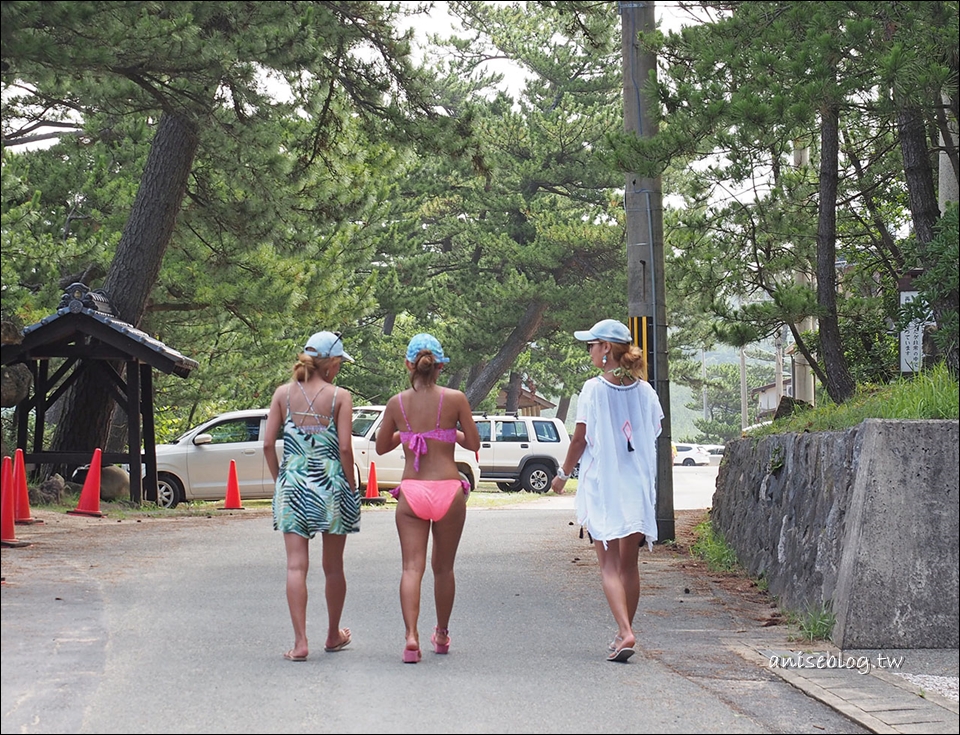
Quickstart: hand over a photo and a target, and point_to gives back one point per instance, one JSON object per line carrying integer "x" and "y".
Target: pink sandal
{"x": 440, "y": 647}
{"x": 411, "y": 655}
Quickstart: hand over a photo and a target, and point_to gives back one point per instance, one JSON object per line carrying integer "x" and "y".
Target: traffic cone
{"x": 7, "y": 501}
{"x": 373, "y": 490}
{"x": 232, "y": 501}
{"x": 21, "y": 509}
{"x": 89, "y": 503}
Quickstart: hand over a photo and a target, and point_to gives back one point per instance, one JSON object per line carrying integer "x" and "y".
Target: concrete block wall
{"x": 863, "y": 521}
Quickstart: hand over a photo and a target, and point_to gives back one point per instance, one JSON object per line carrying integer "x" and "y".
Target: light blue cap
{"x": 606, "y": 330}
{"x": 424, "y": 341}
{"x": 326, "y": 344}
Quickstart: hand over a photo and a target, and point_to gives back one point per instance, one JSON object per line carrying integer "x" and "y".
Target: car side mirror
{"x": 203, "y": 439}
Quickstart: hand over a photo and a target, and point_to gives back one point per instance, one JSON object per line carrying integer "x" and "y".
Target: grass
{"x": 814, "y": 624}
{"x": 931, "y": 394}
{"x": 713, "y": 549}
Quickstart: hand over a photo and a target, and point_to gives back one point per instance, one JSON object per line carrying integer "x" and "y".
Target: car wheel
{"x": 688, "y": 462}
{"x": 169, "y": 491}
{"x": 510, "y": 487}
{"x": 536, "y": 478}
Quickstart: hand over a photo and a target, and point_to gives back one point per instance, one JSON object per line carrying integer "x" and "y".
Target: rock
{"x": 15, "y": 382}
{"x": 114, "y": 483}
{"x": 49, "y": 492}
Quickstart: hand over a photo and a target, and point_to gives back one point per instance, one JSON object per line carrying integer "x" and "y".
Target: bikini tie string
{"x": 417, "y": 445}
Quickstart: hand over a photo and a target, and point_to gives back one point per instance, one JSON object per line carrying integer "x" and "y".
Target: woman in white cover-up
{"x": 618, "y": 421}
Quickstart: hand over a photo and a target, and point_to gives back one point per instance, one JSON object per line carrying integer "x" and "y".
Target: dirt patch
{"x": 756, "y": 601}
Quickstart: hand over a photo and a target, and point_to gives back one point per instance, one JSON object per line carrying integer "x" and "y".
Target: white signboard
{"x": 911, "y": 339}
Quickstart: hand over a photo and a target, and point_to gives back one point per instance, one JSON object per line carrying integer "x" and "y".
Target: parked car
{"x": 521, "y": 452}
{"x": 195, "y": 466}
{"x": 689, "y": 455}
{"x": 366, "y": 422}
{"x": 715, "y": 451}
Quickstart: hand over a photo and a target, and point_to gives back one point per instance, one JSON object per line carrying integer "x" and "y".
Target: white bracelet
{"x": 562, "y": 475}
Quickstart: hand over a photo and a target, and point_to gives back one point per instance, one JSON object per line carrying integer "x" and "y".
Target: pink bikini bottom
{"x": 430, "y": 499}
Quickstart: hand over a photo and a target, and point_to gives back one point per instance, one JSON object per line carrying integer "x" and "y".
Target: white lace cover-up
{"x": 617, "y": 487}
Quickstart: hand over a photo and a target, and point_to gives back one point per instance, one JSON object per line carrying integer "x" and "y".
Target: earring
{"x": 604, "y": 360}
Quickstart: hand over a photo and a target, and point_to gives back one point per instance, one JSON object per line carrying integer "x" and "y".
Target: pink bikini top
{"x": 417, "y": 441}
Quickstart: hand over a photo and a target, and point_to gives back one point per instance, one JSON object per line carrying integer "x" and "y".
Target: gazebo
{"x": 86, "y": 336}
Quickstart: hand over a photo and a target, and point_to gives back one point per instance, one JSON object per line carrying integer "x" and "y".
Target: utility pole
{"x": 802, "y": 378}
{"x": 643, "y": 204}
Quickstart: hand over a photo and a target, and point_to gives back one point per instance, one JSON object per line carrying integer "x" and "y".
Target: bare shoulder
{"x": 280, "y": 393}
{"x": 459, "y": 400}
{"x": 452, "y": 394}
{"x": 344, "y": 397}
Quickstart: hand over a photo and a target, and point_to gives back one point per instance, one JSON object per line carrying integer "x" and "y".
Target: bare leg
{"x": 446, "y": 540}
{"x": 414, "y": 533}
{"x": 630, "y": 572}
{"x": 298, "y": 564}
{"x": 335, "y": 588}
{"x": 609, "y": 559}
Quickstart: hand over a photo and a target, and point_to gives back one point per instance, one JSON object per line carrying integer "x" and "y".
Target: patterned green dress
{"x": 312, "y": 494}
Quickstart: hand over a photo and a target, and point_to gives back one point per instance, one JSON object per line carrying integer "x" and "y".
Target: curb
{"x": 880, "y": 701}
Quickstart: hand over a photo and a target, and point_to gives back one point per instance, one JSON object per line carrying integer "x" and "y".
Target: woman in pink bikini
{"x": 431, "y": 495}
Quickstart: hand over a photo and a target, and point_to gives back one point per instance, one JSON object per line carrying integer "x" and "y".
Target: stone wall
{"x": 863, "y": 521}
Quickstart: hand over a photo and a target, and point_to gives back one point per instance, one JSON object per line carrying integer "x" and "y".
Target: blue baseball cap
{"x": 606, "y": 330}
{"x": 424, "y": 341}
{"x": 326, "y": 344}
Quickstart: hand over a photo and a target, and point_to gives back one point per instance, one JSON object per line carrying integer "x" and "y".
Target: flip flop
{"x": 290, "y": 657}
{"x": 612, "y": 647}
{"x": 621, "y": 654}
{"x": 342, "y": 644}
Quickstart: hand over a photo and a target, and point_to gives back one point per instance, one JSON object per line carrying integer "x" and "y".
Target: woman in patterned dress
{"x": 314, "y": 494}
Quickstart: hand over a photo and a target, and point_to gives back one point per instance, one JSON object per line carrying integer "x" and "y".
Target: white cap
{"x": 326, "y": 344}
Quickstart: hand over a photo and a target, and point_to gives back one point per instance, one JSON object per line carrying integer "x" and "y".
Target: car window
{"x": 484, "y": 428}
{"x": 512, "y": 431}
{"x": 546, "y": 431}
{"x": 363, "y": 420}
{"x": 683, "y": 448}
{"x": 235, "y": 430}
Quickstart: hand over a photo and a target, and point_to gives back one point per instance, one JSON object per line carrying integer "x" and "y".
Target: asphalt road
{"x": 177, "y": 626}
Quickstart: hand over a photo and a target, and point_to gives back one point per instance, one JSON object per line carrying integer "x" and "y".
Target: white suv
{"x": 521, "y": 452}
{"x": 366, "y": 421}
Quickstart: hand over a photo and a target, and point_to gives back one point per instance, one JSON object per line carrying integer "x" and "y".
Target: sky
{"x": 669, "y": 17}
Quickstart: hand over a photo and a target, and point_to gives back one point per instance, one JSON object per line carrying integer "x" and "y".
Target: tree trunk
{"x": 918, "y": 172}
{"x": 88, "y": 407}
{"x": 513, "y": 393}
{"x": 839, "y": 384}
{"x": 562, "y": 408}
{"x": 486, "y": 379}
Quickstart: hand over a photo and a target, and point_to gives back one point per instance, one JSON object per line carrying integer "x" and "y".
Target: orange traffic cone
{"x": 7, "y": 501}
{"x": 373, "y": 490}
{"x": 89, "y": 503}
{"x": 21, "y": 510}
{"x": 232, "y": 501}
